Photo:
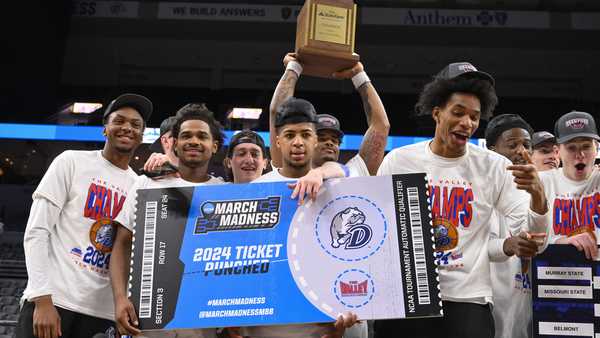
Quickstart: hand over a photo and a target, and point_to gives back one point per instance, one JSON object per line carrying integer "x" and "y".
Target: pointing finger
{"x": 527, "y": 157}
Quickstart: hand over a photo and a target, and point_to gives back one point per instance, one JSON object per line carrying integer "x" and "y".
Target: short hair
{"x": 194, "y": 111}
{"x": 437, "y": 93}
{"x": 294, "y": 110}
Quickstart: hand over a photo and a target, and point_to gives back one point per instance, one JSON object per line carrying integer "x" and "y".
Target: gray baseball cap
{"x": 542, "y": 137}
{"x": 463, "y": 69}
{"x": 575, "y": 124}
{"x": 329, "y": 122}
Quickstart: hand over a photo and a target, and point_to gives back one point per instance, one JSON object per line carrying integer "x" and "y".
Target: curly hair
{"x": 437, "y": 93}
{"x": 194, "y": 111}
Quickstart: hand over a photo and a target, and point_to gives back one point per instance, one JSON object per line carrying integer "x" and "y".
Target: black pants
{"x": 73, "y": 324}
{"x": 460, "y": 320}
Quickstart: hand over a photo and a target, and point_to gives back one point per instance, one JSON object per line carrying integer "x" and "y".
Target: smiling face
{"x": 512, "y": 143}
{"x": 545, "y": 156}
{"x": 124, "y": 129}
{"x": 578, "y": 156}
{"x": 247, "y": 162}
{"x": 328, "y": 147}
{"x": 297, "y": 143}
{"x": 195, "y": 145}
{"x": 456, "y": 122}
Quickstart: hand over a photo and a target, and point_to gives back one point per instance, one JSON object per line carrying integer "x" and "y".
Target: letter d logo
{"x": 361, "y": 235}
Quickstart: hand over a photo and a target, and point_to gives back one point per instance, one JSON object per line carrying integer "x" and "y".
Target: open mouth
{"x": 460, "y": 137}
{"x": 551, "y": 163}
{"x": 580, "y": 167}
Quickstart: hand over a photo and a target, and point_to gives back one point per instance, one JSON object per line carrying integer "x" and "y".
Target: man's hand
{"x": 585, "y": 242}
{"x": 289, "y": 57}
{"x": 526, "y": 178}
{"x": 155, "y": 161}
{"x": 343, "y": 322}
{"x": 308, "y": 184}
{"x": 125, "y": 317}
{"x": 46, "y": 320}
{"x": 524, "y": 245}
{"x": 349, "y": 73}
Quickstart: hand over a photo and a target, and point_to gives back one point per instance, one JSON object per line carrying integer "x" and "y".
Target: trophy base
{"x": 319, "y": 63}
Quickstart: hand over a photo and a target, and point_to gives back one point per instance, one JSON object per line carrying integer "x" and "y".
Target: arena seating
{"x": 13, "y": 279}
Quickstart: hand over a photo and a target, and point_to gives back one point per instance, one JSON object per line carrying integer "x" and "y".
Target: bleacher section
{"x": 13, "y": 279}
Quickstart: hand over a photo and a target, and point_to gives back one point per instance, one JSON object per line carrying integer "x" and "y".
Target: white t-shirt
{"x": 511, "y": 286}
{"x": 464, "y": 192}
{"x": 282, "y": 331}
{"x": 87, "y": 191}
{"x": 127, "y": 219}
{"x": 574, "y": 205}
{"x": 357, "y": 167}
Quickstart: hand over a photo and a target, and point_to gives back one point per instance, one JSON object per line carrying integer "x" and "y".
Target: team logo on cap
{"x": 467, "y": 68}
{"x": 327, "y": 121}
{"x": 578, "y": 123}
{"x": 350, "y": 228}
{"x": 354, "y": 288}
{"x": 102, "y": 234}
{"x": 238, "y": 215}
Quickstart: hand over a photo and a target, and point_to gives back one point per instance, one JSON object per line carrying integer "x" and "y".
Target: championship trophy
{"x": 325, "y": 35}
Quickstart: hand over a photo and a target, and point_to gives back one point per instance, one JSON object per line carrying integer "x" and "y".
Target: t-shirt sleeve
{"x": 127, "y": 216}
{"x": 496, "y": 242}
{"x": 43, "y": 216}
{"x": 386, "y": 167}
{"x": 56, "y": 183}
{"x": 357, "y": 167}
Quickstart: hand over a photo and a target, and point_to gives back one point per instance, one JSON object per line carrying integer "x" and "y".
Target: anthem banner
{"x": 247, "y": 254}
{"x": 566, "y": 298}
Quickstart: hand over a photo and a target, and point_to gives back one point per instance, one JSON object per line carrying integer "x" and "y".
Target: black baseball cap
{"x": 463, "y": 69}
{"x": 165, "y": 127}
{"x": 138, "y": 102}
{"x": 502, "y": 123}
{"x": 541, "y": 137}
{"x": 246, "y": 136}
{"x": 295, "y": 110}
{"x": 575, "y": 124}
{"x": 329, "y": 122}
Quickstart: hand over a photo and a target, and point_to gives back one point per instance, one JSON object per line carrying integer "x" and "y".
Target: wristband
{"x": 360, "y": 79}
{"x": 294, "y": 66}
{"x": 346, "y": 170}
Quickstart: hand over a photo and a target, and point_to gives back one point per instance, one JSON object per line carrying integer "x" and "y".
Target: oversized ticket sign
{"x": 566, "y": 298}
{"x": 247, "y": 254}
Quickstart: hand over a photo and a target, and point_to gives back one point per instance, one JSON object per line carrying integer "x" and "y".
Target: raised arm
{"x": 285, "y": 89}
{"x": 372, "y": 148}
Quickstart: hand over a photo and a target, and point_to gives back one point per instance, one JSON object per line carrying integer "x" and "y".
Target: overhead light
{"x": 81, "y": 108}
{"x": 245, "y": 113}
